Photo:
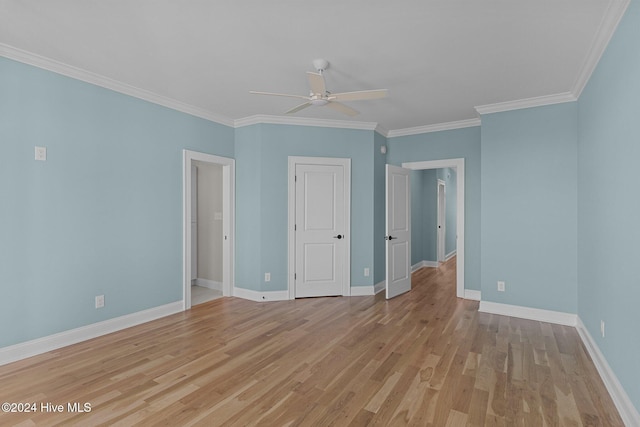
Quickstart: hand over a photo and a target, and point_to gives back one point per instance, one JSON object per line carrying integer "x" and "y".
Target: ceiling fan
{"x": 319, "y": 96}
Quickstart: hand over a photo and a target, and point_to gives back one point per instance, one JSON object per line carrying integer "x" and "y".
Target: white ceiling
{"x": 438, "y": 59}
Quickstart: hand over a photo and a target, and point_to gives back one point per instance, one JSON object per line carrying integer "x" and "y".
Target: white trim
{"x": 609, "y": 23}
{"x": 303, "y": 121}
{"x": 458, "y": 165}
{"x": 108, "y": 83}
{"x": 209, "y": 284}
{"x": 380, "y": 287}
{"x": 359, "y": 291}
{"x": 62, "y": 339}
{"x": 291, "y": 218}
{"x": 382, "y": 130}
{"x": 518, "y": 104}
{"x": 421, "y": 264}
{"x": 460, "y": 124}
{"x": 260, "y": 296}
{"x": 228, "y": 220}
{"x": 628, "y": 412}
{"x": 450, "y": 255}
{"x": 610, "y": 20}
{"x": 472, "y": 294}
{"x": 538, "y": 314}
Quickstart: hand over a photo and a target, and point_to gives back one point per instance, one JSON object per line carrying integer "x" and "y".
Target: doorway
{"x": 206, "y": 231}
{"x": 319, "y": 226}
{"x": 441, "y": 220}
{"x": 201, "y": 173}
{"x": 458, "y": 166}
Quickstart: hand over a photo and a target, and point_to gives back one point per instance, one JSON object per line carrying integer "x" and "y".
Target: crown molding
{"x": 460, "y": 124}
{"x": 304, "y": 121}
{"x": 613, "y": 14}
{"x": 608, "y": 24}
{"x": 518, "y": 104}
{"x": 382, "y": 130}
{"x": 57, "y": 67}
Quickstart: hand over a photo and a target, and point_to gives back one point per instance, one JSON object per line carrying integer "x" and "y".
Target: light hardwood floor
{"x": 424, "y": 358}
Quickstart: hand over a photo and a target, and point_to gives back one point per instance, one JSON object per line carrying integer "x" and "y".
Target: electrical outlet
{"x": 366, "y": 272}
{"x": 41, "y": 153}
{"x": 99, "y": 301}
{"x": 602, "y": 328}
{"x": 267, "y": 277}
{"x": 500, "y": 286}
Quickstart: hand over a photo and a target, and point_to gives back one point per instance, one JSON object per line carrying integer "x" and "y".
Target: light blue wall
{"x": 448, "y": 175}
{"x": 424, "y": 213}
{"x": 379, "y": 201}
{"x": 262, "y": 169}
{"x": 103, "y": 214}
{"x": 416, "y": 216}
{"x": 609, "y": 205}
{"x": 529, "y": 207}
{"x": 451, "y": 144}
{"x": 248, "y": 256}
{"x": 429, "y": 204}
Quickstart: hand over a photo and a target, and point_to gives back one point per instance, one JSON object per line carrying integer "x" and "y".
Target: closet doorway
{"x": 208, "y": 227}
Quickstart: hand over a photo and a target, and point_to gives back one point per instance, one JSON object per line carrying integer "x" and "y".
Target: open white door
{"x": 441, "y": 232}
{"x": 398, "y": 238}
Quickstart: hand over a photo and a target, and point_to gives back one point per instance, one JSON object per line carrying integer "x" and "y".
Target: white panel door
{"x": 319, "y": 230}
{"x": 398, "y": 227}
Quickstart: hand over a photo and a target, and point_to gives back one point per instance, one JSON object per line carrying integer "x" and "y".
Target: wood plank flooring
{"x": 421, "y": 359}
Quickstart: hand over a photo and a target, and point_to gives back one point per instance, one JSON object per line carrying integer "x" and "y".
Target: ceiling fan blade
{"x": 342, "y": 108}
{"x": 298, "y": 108}
{"x": 359, "y": 95}
{"x": 278, "y": 94}
{"x": 316, "y": 83}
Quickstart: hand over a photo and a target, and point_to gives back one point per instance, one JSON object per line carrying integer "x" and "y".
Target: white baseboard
{"x": 529, "y": 313}
{"x": 379, "y": 287}
{"x": 359, "y": 291}
{"x": 472, "y": 294}
{"x": 627, "y": 411}
{"x": 450, "y": 255}
{"x": 252, "y": 295}
{"x": 62, "y": 339}
{"x": 421, "y": 264}
{"x": 209, "y": 284}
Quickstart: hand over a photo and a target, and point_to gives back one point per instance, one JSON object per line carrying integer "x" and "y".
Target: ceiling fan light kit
{"x": 319, "y": 96}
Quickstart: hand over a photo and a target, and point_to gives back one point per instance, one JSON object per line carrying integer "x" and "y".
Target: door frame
{"x": 441, "y": 225}
{"x": 291, "y": 220}
{"x": 458, "y": 165}
{"x": 228, "y": 220}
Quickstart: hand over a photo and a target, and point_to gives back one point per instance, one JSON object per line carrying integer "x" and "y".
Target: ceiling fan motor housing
{"x": 320, "y": 64}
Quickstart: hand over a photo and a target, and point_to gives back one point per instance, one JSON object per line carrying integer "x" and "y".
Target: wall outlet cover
{"x": 41, "y": 153}
{"x": 99, "y": 301}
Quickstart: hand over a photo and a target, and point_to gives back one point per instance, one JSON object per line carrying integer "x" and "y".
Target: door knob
{"x": 389, "y": 237}
{"x": 339, "y": 236}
